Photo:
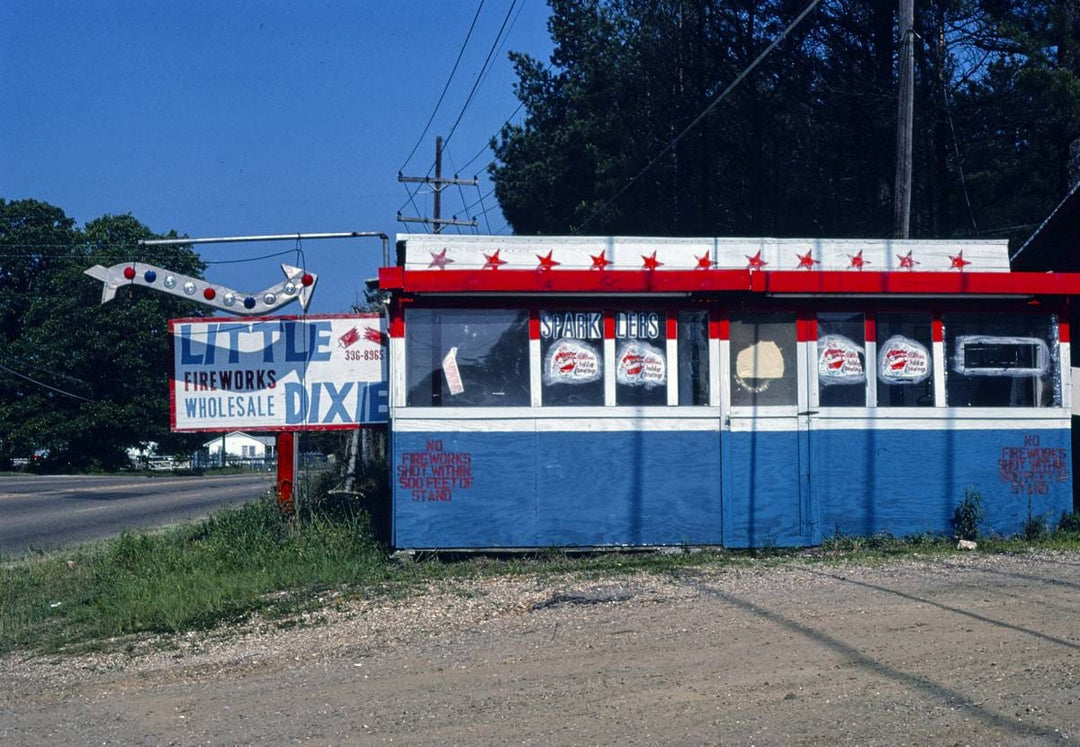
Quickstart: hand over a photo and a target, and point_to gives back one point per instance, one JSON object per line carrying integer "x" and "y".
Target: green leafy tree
{"x": 804, "y": 144}
{"x": 83, "y": 381}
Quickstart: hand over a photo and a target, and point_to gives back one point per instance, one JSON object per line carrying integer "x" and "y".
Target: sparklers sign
{"x": 278, "y": 373}
{"x": 297, "y": 286}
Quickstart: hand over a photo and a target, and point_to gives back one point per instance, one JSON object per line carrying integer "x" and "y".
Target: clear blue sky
{"x": 233, "y": 118}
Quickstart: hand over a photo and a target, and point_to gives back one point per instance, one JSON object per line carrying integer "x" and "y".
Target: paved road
{"x": 46, "y": 512}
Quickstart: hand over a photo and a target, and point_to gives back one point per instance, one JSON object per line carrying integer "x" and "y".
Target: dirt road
{"x": 965, "y": 650}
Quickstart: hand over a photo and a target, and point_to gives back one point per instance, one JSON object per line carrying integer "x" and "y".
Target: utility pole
{"x": 437, "y": 183}
{"x": 905, "y": 113}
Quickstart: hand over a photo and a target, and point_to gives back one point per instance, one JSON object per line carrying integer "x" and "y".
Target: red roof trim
{"x": 568, "y": 281}
{"x": 781, "y": 282}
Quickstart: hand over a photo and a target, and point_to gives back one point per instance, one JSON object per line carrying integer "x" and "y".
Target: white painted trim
{"x": 1064, "y": 355}
{"x": 397, "y": 371}
{"x": 558, "y": 425}
{"x": 939, "y": 362}
{"x": 609, "y": 373}
{"x": 536, "y": 373}
{"x": 436, "y": 253}
{"x": 719, "y": 372}
{"x": 709, "y": 421}
{"x": 871, "y": 373}
{"x": 809, "y": 386}
{"x": 673, "y": 372}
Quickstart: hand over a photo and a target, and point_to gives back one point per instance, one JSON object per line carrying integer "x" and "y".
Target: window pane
{"x": 693, "y": 357}
{"x": 763, "y": 367}
{"x": 640, "y": 358}
{"x": 841, "y": 363}
{"x": 572, "y": 355}
{"x": 1002, "y": 360}
{"x": 467, "y": 357}
{"x": 905, "y": 365}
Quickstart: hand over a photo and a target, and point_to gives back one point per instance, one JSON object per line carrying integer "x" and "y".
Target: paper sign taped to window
{"x": 762, "y": 360}
{"x": 451, "y": 373}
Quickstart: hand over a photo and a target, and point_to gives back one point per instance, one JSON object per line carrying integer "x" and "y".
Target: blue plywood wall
{"x": 744, "y": 489}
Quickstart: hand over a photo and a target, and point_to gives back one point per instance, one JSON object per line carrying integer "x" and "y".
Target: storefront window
{"x": 693, "y": 357}
{"x": 467, "y": 358}
{"x": 841, "y": 363}
{"x": 640, "y": 358}
{"x": 1002, "y": 360}
{"x": 904, "y": 363}
{"x": 572, "y": 357}
{"x": 763, "y": 360}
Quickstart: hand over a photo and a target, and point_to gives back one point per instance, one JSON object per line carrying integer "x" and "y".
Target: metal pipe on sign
{"x": 277, "y": 237}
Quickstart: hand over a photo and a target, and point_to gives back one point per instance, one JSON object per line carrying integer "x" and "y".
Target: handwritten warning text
{"x": 432, "y": 475}
{"x": 1031, "y": 469}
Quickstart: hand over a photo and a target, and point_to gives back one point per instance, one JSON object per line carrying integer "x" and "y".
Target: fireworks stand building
{"x": 587, "y": 392}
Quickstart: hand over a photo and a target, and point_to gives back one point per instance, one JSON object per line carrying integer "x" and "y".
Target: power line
{"x": 43, "y": 384}
{"x": 705, "y": 112}
{"x": 476, "y": 84}
{"x": 445, "y": 87}
{"x": 480, "y": 76}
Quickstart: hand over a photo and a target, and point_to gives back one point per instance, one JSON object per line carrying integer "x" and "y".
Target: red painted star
{"x": 704, "y": 263}
{"x": 440, "y": 260}
{"x": 599, "y": 263}
{"x": 958, "y": 262}
{"x": 651, "y": 262}
{"x": 907, "y": 262}
{"x": 756, "y": 262}
{"x": 546, "y": 263}
{"x": 857, "y": 261}
{"x": 807, "y": 261}
{"x": 493, "y": 260}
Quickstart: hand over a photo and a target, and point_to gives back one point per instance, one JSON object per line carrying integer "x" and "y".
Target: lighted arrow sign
{"x": 297, "y": 286}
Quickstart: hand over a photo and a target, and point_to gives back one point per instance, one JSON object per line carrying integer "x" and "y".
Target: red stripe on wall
{"x": 1063, "y": 330}
{"x": 806, "y": 329}
{"x": 672, "y": 325}
{"x": 938, "y": 329}
{"x": 871, "y": 328}
{"x": 397, "y": 320}
{"x": 719, "y": 326}
{"x": 609, "y": 325}
{"x": 534, "y": 324}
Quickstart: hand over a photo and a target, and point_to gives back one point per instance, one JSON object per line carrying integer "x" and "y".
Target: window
{"x": 904, "y": 362}
{"x": 572, "y": 357}
{"x": 466, "y": 357}
{"x": 640, "y": 358}
{"x": 763, "y": 362}
{"x": 1002, "y": 360}
{"x": 841, "y": 363}
{"x": 693, "y": 347}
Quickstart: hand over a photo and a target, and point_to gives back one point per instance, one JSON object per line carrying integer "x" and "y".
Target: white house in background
{"x": 239, "y": 445}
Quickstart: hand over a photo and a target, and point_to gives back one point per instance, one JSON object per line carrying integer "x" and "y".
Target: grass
{"x": 250, "y": 559}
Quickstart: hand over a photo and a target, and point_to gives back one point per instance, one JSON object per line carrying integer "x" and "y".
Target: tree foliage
{"x": 805, "y": 144}
{"x": 80, "y": 381}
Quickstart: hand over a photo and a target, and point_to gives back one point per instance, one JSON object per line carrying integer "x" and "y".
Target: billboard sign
{"x": 278, "y": 373}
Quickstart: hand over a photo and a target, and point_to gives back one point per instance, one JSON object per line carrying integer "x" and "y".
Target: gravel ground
{"x": 962, "y": 650}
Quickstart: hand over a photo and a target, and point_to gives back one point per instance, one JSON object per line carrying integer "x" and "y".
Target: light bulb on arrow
{"x": 297, "y": 286}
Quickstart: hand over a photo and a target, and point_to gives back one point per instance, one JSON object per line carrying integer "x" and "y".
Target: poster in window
{"x": 641, "y": 358}
{"x": 571, "y": 348}
{"x": 840, "y": 361}
{"x": 640, "y": 364}
{"x": 902, "y": 360}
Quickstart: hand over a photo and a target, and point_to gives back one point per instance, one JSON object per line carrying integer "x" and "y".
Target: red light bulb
{"x": 307, "y": 279}
{"x": 209, "y": 294}
{"x": 129, "y": 273}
